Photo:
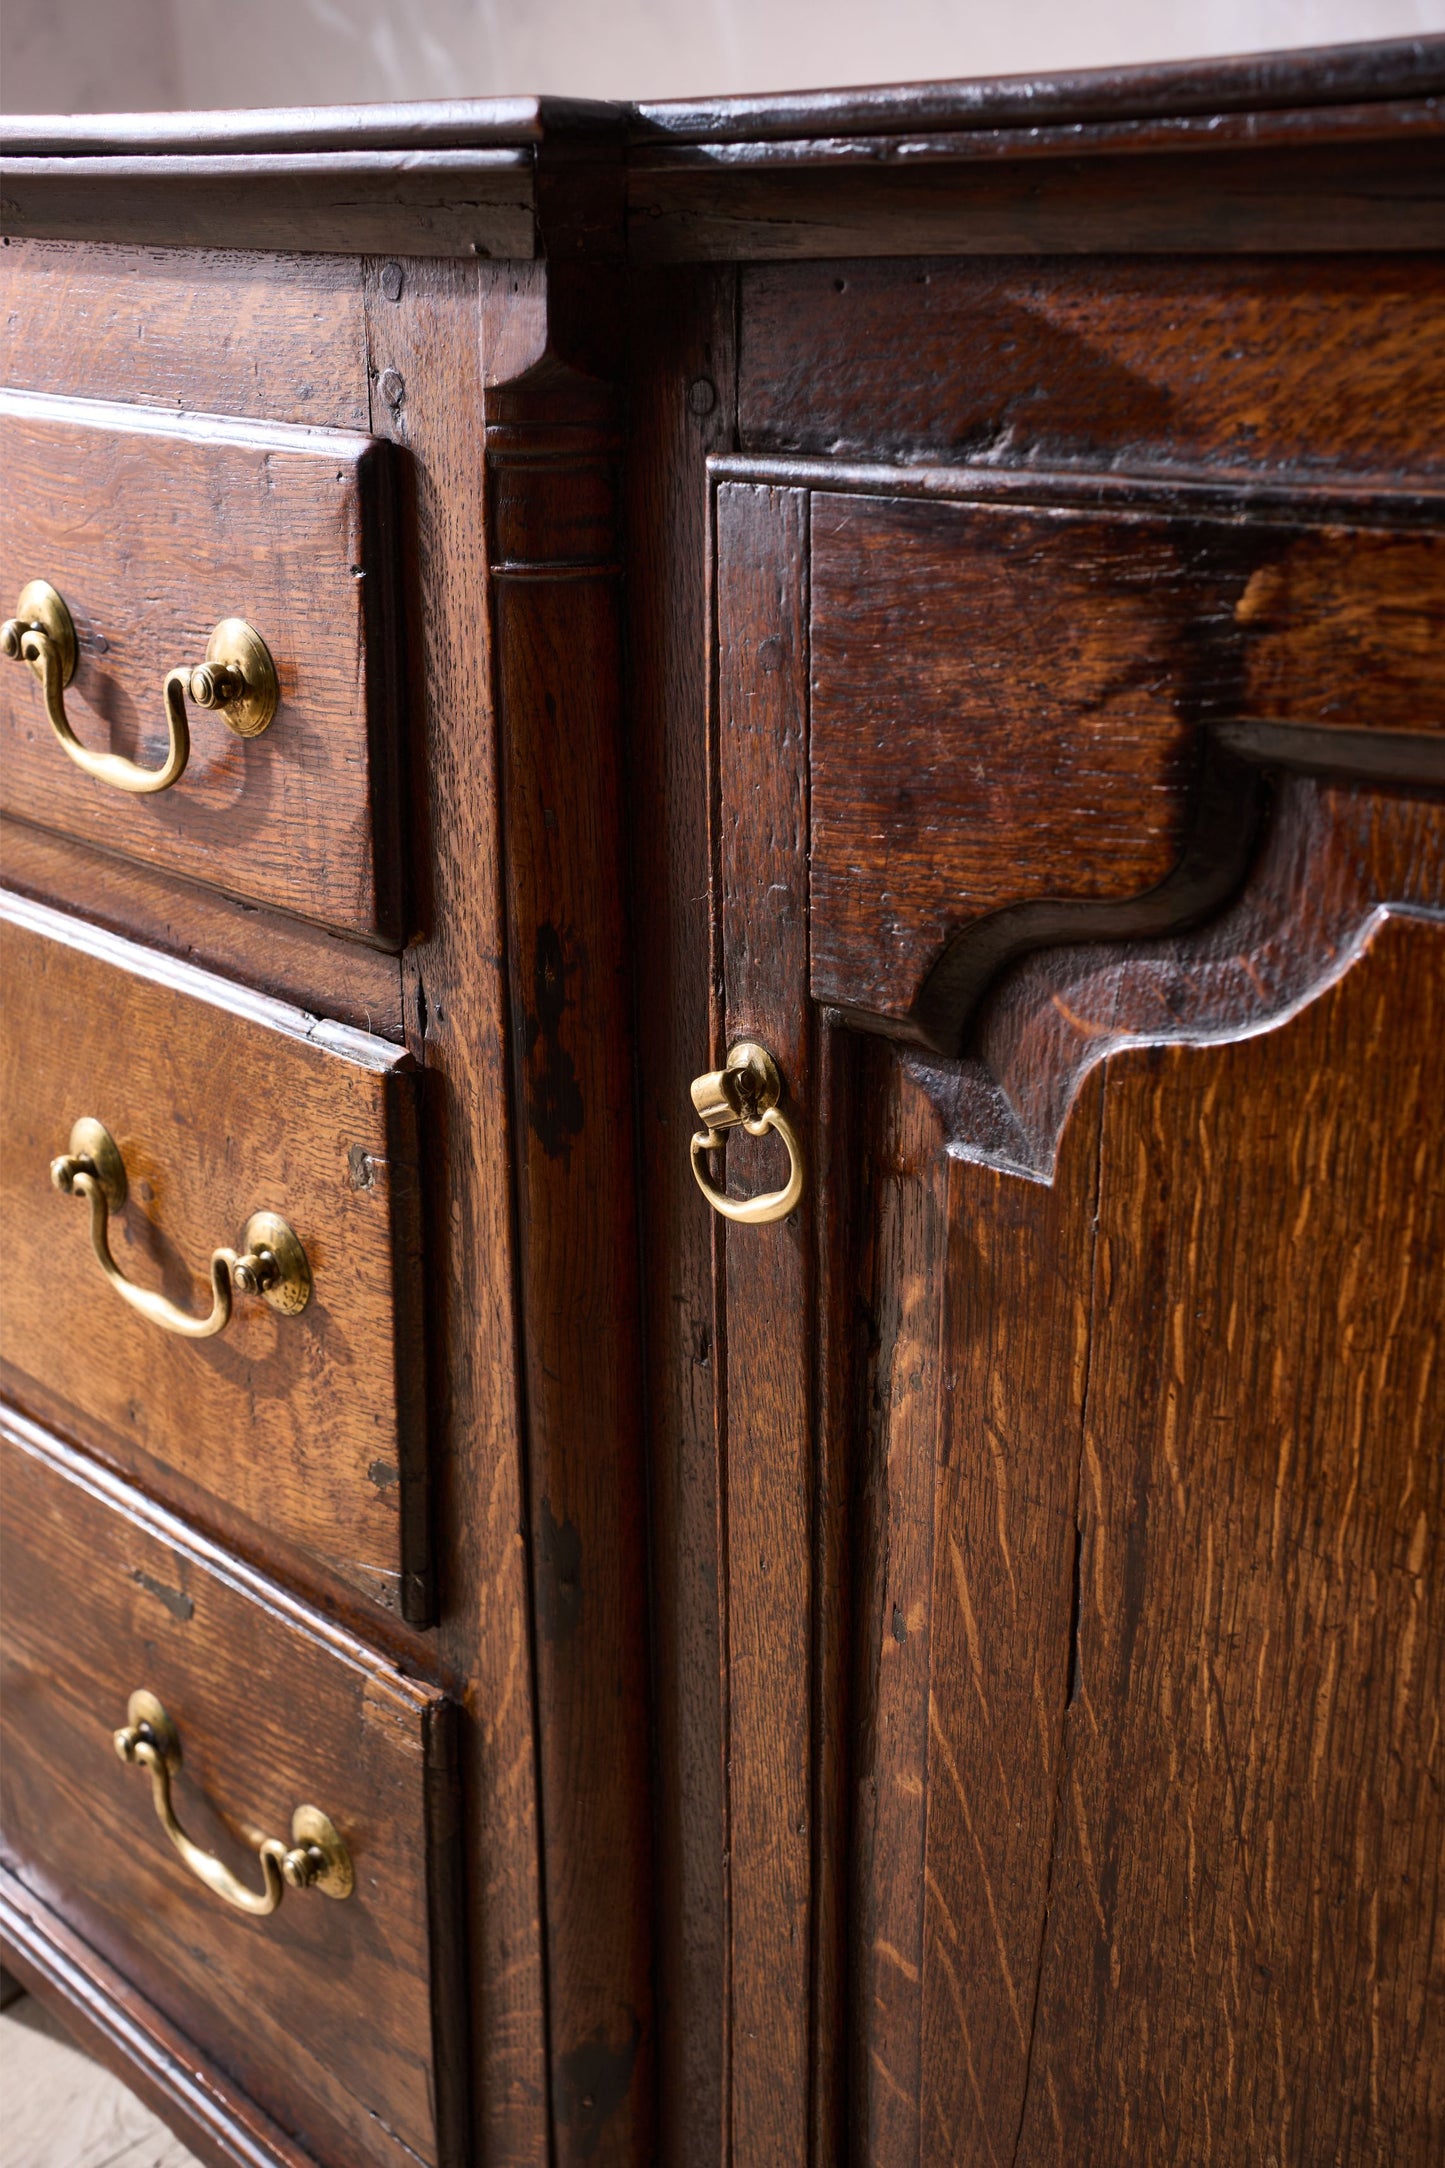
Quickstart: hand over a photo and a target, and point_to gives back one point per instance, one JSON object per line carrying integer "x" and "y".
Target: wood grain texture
{"x": 839, "y": 1354}
{"x": 450, "y": 203}
{"x": 766, "y": 1299}
{"x": 128, "y": 2035}
{"x": 966, "y": 1543}
{"x": 904, "y": 1193}
{"x": 310, "y": 1427}
{"x": 1308, "y": 79}
{"x": 1014, "y": 1417}
{"x": 224, "y": 331}
{"x": 437, "y": 335}
{"x": 350, "y": 2070}
{"x": 1327, "y": 364}
{"x": 681, "y": 407}
{"x": 1311, "y": 78}
{"x": 284, "y": 956}
{"x": 1332, "y": 855}
{"x": 1006, "y": 707}
{"x": 153, "y": 531}
{"x": 554, "y": 544}
{"x": 1258, "y": 1655}
{"x": 1347, "y": 123}
{"x": 971, "y": 1785}
{"x": 1362, "y": 197}
{"x": 870, "y": 1543}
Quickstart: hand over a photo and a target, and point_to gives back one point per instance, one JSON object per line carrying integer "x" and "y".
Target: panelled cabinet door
{"x": 1083, "y": 871}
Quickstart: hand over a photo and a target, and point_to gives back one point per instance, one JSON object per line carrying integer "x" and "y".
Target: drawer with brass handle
{"x": 196, "y": 650}
{"x": 213, "y": 1221}
{"x": 244, "y": 1809}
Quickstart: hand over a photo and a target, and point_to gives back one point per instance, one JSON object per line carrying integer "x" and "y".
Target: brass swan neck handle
{"x": 271, "y": 1262}
{"x": 237, "y": 678}
{"x": 316, "y": 1857}
{"x": 744, "y": 1094}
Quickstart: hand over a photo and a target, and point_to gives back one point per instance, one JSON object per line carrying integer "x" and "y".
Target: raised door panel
{"x": 1026, "y": 720}
{"x": 1077, "y": 1432}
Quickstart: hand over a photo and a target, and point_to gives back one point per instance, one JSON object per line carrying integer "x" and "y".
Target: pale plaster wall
{"x": 115, "y": 55}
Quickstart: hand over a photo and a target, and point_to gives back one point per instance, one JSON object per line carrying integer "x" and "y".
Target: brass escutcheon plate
{"x": 235, "y": 646}
{"x": 755, "y": 1079}
{"x": 39, "y": 604}
{"x": 290, "y": 1291}
{"x": 309, "y": 1826}
{"x": 90, "y": 1139}
{"x": 144, "y": 1708}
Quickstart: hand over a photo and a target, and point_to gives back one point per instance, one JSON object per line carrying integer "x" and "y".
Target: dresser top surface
{"x": 1325, "y": 150}
{"x": 1302, "y": 80}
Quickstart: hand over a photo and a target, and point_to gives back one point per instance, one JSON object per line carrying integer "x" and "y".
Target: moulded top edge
{"x": 424, "y": 125}
{"x": 1322, "y": 75}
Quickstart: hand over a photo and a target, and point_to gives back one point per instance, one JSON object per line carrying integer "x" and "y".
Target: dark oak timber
{"x": 681, "y": 409}
{"x": 154, "y": 529}
{"x": 285, "y": 956}
{"x": 273, "y": 1708}
{"x": 1009, "y": 706}
{"x": 432, "y": 336}
{"x": 1249, "y": 364}
{"x": 281, "y": 333}
{"x": 944, "y": 579}
{"x": 173, "y": 1062}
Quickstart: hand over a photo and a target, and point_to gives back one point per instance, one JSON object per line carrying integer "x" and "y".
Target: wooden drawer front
{"x": 325, "y": 2011}
{"x": 153, "y": 528}
{"x": 222, "y": 1104}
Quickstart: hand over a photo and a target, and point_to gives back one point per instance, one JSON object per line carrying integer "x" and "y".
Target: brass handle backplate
{"x": 316, "y": 1858}
{"x": 744, "y": 1094}
{"x": 271, "y": 1262}
{"x": 237, "y": 679}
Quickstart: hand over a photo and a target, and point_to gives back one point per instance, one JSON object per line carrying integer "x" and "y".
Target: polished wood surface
{"x": 977, "y": 201}
{"x": 680, "y": 410}
{"x": 1024, "y": 1574}
{"x": 996, "y": 1324}
{"x": 1203, "y": 362}
{"x": 261, "y": 949}
{"x": 308, "y": 1428}
{"x": 154, "y": 530}
{"x": 555, "y": 556}
{"x": 280, "y": 333}
{"x": 1233, "y": 83}
{"x": 974, "y": 1318}
{"x": 943, "y": 579}
{"x": 1260, "y": 1629}
{"x": 434, "y": 334}
{"x": 324, "y": 2012}
{"x": 358, "y": 201}
{"x": 1011, "y": 710}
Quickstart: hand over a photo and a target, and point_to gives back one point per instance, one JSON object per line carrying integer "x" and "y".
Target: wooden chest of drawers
{"x": 873, "y": 663}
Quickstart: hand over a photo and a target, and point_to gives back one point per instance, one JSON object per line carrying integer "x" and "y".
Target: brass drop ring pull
{"x": 237, "y": 678}
{"x": 744, "y": 1094}
{"x": 316, "y": 1858}
{"x": 271, "y": 1263}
